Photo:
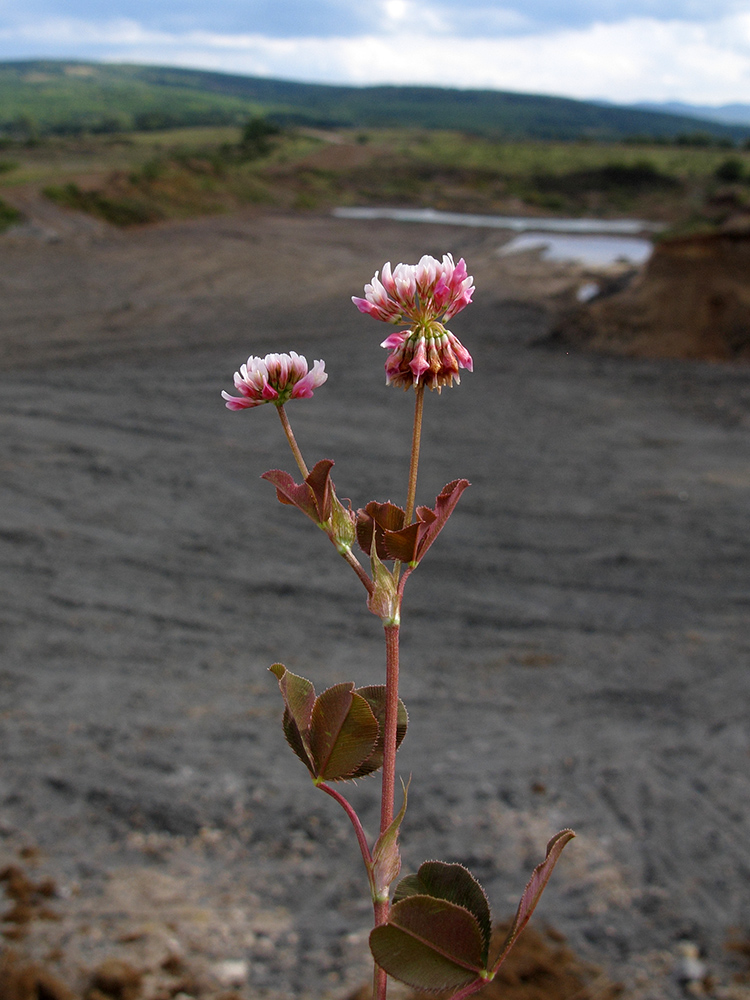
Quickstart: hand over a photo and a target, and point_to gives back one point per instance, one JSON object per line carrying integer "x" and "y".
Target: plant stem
{"x": 391, "y": 721}
{"x": 356, "y": 565}
{"x": 292, "y": 441}
{"x": 415, "y": 442}
{"x": 380, "y": 982}
{"x": 467, "y": 991}
{"x": 349, "y": 810}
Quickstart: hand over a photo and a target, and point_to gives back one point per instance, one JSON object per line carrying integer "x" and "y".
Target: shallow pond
{"x": 518, "y": 224}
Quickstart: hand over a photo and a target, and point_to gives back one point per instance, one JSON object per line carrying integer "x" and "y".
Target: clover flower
{"x": 428, "y": 356}
{"x": 275, "y": 379}
{"x": 426, "y": 294}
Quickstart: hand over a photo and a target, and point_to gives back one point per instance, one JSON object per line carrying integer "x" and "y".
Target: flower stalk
{"x": 416, "y": 440}
{"x": 292, "y": 441}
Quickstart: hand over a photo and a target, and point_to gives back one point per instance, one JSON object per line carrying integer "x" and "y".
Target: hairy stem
{"x": 292, "y": 441}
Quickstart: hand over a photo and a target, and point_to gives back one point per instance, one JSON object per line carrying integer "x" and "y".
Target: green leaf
{"x": 374, "y": 695}
{"x": 533, "y": 892}
{"x": 429, "y": 944}
{"x": 454, "y": 883}
{"x": 343, "y": 732}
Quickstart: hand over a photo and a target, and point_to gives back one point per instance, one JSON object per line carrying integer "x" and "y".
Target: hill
{"x": 729, "y": 114}
{"x": 63, "y": 97}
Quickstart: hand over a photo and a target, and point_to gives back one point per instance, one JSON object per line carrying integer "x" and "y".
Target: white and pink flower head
{"x": 427, "y": 294}
{"x": 424, "y": 292}
{"x": 275, "y": 379}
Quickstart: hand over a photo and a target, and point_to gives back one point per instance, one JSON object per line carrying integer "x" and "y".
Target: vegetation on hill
{"x": 137, "y": 178}
{"x": 47, "y": 97}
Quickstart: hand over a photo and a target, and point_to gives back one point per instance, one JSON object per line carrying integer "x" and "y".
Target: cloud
{"x": 636, "y": 59}
{"x": 342, "y": 18}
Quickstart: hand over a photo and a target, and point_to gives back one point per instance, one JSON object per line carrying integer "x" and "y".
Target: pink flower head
{"x": 424, "y": 292}
{"x": 427, "y": 294}
{"x": 275, "y": 379}
{"x": 428, "y": 356}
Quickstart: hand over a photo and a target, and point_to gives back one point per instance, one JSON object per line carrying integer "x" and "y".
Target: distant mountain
{"x": 728, "y": 114}
{"x": 46, "y": 96}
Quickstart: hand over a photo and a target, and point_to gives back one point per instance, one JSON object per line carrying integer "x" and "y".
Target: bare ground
{"x": 575, "y": 647}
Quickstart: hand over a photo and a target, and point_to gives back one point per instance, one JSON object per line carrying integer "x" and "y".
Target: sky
{"x": 697, "y": 51}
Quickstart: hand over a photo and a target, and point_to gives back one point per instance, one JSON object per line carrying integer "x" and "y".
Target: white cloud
{"x": 636, "y": 59}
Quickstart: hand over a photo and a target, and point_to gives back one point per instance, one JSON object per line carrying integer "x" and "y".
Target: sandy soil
{"x": 575, "y": 647}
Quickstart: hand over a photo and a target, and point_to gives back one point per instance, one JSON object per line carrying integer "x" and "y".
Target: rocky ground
{"x": 575, "y": 647}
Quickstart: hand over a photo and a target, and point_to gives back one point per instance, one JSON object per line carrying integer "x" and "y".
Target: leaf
{"x": 410, "y": 544}
{"x": 429, "y": 944}
{"x": 299, "y": 698}
{"x": 373, "y": 520}
{"x": 533, "y": 892}
{"x": 374, "y": 695}
{"x": 296, "y": 742}
{"x": 295, "y": 494}
{"x": 404, "y": 544}
{"x": 454, "y": 883}
{"x": 445, "y": 504}
{"x": 313, "y": 497}
{"x": 386, "y": 857}
{"x": 319, "y": 481}
{"x": 343, "y": 732}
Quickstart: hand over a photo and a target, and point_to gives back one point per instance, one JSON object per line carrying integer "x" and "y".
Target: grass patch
{"x": 143, "y": 177}
{"x": 118, "y": 211}
{"x": 9, "y": 216}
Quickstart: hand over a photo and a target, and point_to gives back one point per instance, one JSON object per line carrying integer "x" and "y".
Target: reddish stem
{"x": 349, "y": 810}
{"x": 358, "y": 568}
{"x": 388, "y": 788}
{"x": 391, "y": 722}
{"x": 382, "y": 907}
{"x": 466, "y": 991}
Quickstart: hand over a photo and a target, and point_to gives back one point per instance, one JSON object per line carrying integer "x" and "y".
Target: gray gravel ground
{"x": 575, "y": 646}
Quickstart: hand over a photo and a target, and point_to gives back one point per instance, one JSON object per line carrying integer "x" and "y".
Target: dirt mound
{"x": 542, "y": 967}
{"x": 692, "y": 301}
{"x": 20, "y": 980}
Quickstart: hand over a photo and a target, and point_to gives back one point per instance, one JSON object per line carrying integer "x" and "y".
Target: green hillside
{"x": 57, "y": 97}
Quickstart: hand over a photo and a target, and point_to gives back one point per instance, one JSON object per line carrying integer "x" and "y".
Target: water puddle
{"x": 517, "y": 224}
{"x": 590, "y": 250}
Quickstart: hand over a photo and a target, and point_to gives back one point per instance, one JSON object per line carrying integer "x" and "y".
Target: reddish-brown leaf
{"x": 374, "y": 695}
{"x": 533, "y": 892}
{"x": 454, "y": 883}
{"x": 343, "y": 732}
{"x": 429, "y": 944}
